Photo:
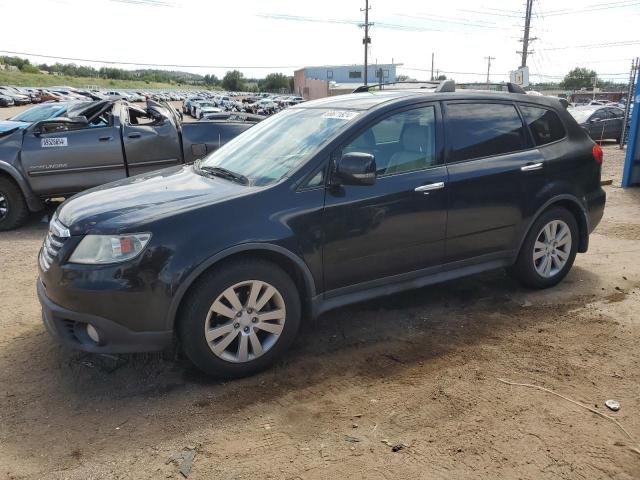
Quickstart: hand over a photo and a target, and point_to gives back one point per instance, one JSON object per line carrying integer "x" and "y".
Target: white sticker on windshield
{"x": 53, "y": 142}
{"x": 340, "y": 114}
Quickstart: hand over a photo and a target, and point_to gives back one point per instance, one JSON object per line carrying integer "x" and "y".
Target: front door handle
{"x": 104, "y": 139}
{"x": 430, "y": 187}
{"x": 532, "y": 166}
{"x": 134, "y": 135}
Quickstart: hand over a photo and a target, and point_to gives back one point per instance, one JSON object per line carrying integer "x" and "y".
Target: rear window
{"x": 545, "y": 125}
{"x": 483, "y": 130}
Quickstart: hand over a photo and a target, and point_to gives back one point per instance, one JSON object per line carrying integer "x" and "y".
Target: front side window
{"x": 277, "y": 146}
{"x": 483, "y": 130}
{"x": 544, "y": 124}
{"x": 402, "y": 142}
{"x": 44, "y": 111}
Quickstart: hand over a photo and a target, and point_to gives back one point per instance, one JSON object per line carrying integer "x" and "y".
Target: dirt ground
{"x": 401, "y": 387}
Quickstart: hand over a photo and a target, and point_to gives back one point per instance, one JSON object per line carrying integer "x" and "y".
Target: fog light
{"x": 93, "y": 333}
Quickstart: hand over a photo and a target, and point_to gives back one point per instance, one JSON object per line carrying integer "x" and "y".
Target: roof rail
{"x": 500, "y": 87}
{"x": 427, "y": 84}
{"x": 444, "y": 86}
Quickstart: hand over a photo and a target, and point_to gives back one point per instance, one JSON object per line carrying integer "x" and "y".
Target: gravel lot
{"x": 401, "y": 387}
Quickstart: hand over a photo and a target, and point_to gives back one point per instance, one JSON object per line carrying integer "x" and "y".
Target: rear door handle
{"x": 532, "y": 166}
{"x": 104, "y": 139}
{"x": 134, "y": 135}
{"x": 430, "y": 187}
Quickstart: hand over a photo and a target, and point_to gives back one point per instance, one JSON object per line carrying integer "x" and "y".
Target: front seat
{"x": 417, "y": 150}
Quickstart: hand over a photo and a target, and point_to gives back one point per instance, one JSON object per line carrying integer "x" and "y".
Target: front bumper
{"x": 69, "y": 328}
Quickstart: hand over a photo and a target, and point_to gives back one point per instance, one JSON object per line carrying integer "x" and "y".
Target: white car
{"x": 196, "y": 108}
{"x": 203, "y": 110}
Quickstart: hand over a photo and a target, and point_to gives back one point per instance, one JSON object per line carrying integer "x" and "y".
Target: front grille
{"x": 53, "y": 242}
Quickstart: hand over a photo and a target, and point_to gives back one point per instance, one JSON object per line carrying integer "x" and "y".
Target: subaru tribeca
{"x": 327, "y": 203}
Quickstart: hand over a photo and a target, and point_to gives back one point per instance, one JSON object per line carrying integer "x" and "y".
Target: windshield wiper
{"x": 224, "y": 173}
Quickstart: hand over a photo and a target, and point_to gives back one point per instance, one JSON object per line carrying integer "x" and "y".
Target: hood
{"x": 130, "y": 204}
{"x": 6, "y": 125}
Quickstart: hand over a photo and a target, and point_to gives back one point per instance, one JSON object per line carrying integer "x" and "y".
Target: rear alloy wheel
{"x": 549, "y": 249}
{"x": 239, "y": 317}
{"x": 13, "y": 208}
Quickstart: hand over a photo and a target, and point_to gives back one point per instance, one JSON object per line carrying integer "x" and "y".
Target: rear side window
{"x": 483, "y": 130}
{"x": 545, "y": 125}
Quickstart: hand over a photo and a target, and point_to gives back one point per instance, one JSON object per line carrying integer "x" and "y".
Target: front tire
{"x": 13, "y": 207}
{"x": 549, "y": 250}
{"x": 239, "y": 318}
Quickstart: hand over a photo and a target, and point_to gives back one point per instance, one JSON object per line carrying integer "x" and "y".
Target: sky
{"x": 211, "y": 37}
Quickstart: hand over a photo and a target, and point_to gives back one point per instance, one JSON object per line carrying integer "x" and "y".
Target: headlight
{"x": 99, "y": 249}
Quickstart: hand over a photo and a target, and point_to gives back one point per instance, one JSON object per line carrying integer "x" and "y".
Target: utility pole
{"x": 366, "y": 41}
{"x": 526, "y": 39}
{"x": 489, "y": 66}
{"x": 432, "y": 57}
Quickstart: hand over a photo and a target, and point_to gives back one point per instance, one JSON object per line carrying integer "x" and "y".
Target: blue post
{"x": 631, "y": 171}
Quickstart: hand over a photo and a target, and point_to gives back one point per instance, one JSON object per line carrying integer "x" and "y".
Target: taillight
{"x": 598, "y": 154}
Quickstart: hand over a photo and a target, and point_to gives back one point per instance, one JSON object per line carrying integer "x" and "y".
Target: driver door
{"x": 151, "y": 142}
{"x": 396, "y": 226}
{"x": 72, "y": 159}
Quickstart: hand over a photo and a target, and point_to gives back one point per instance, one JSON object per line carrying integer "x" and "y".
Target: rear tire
{"x": 548, "y": 251}
{"x": 232, "y": 341}
{"x": 13, "y": 207}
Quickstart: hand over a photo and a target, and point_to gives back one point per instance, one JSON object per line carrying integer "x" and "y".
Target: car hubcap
{"x": 245, "y": 321}
{"x": 552, "y": 248}
{"x": 4, "y": 206}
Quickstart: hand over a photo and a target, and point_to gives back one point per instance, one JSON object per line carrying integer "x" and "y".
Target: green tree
{"x": 578, "y": 78}
{"x": 441, "y": 77}
{"x": 233, "y": 81}
{"x": 28, "y": 68}
{"x": 274, "y": 82}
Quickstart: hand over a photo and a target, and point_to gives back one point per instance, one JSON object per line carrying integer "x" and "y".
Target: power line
{"x": 586, "y": 9}
{"x": 621, "y": 43}
{"x": 112, "y": 62}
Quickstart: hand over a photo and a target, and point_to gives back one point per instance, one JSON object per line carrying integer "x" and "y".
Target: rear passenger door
{"x": 492, "y": 168}
{"x": 616, "y": 117}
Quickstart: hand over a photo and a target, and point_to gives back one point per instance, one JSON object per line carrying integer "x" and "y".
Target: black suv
{"x": 327, "y": 203}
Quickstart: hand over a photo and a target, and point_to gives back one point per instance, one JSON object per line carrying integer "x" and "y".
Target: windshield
{"x": 580, "y": 115}
{"x": 41, "y": 112}
{"x": 277, "y": 146}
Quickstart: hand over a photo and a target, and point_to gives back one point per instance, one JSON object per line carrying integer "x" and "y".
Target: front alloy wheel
{"x": 4, "y": 206}
{"x": 245, "y": 321}
{"x": 239, "y": 317}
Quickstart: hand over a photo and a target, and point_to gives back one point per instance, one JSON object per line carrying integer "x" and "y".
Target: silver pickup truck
{"x": 106, "y": 141}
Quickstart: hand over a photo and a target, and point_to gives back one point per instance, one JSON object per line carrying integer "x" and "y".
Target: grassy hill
{"x": 22, "y": 79}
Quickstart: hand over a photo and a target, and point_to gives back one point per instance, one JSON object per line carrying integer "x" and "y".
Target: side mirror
{"x": 356, "y": 168}
{"x": 594, "y": 120}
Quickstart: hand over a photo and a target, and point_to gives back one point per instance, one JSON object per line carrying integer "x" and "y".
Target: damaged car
{"x": 95, "y": 143}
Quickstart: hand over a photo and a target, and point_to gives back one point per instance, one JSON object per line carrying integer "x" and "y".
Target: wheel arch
{"x": 291, "y": 263}
{"x": 573, "y": 205}
{"x": 9, "y": 171}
